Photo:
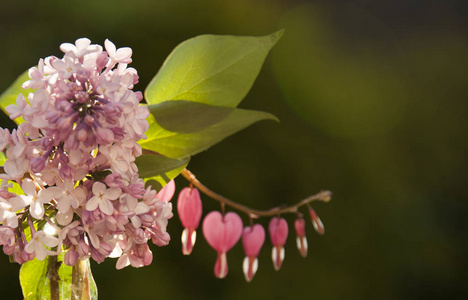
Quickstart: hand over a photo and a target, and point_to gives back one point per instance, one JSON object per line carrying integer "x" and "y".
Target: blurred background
{"x": 372, "y": 101}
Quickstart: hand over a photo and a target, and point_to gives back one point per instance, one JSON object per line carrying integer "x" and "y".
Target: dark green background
{"x": 372, "y": 101}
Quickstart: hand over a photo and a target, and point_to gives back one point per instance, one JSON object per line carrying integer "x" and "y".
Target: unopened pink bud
{"x": 222, "y": 233}
{"x": 71, "y": 257}
{"x": 278, "y": 229}
{"x": 189, "y": 207}
{"x": 252, "y": 240}
{"x": 301, "y": 239}
{"x": 318, "y": 225}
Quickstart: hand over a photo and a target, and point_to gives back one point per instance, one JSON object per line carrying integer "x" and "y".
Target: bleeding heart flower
{"x": 301, "y": 239}
{"x": 222, "y": 233}
{"x": 189, "y": 207}
{"x": 166, "y": 193}
{"x": 252, "y": 240}
{"x": 318, "y": 225}
{"x": 278, "y": 229}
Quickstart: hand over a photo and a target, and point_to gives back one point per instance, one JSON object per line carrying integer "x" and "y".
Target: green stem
{"x": 80, "y": 281}
{"x": 52, "y": 271}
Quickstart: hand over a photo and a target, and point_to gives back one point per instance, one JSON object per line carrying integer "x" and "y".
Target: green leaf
{"x": 31, "y": 273}
{"x": 3, "y": 158}
{"x": 155, "y": 165}
{"x": 158, "y": 170}
{"x": 180, "y": 145}
{"x": 11, "y": 93}
{"x": 185, "y": 116}
{"x": 212, "y": 69}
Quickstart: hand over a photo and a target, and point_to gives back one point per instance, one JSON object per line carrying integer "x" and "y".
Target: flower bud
{"x": 318, "y": 225}
{"x": 301, "y": 239}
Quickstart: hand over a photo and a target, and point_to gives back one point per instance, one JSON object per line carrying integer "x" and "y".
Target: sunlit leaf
{"x": 157, "y": 165}
{"x": 11, "y": 93}
{"x": 31, "y": 273}
{"x": 3, "y": 158}
{"x": 212, "y": 69}
{"x": 180, "y": 145}
{"x": 185, "y": 116}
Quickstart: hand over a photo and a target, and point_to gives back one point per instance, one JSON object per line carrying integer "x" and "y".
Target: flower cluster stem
{"x": 52, "y": 271}
{"x": 324, "y": 196}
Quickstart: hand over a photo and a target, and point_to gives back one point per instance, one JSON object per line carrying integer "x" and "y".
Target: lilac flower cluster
{"x": 74, "y": 159}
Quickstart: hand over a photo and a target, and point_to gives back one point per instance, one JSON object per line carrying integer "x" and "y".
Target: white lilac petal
{"x": 123, "y": 55}
{"x": 15, "y": 168}
{"x": 67, "y": 47}
{"x": 12, "y": 220}
{"x": 92, "y": 203}
{"x": 106, "y": 207}
{"x": 98, "y": 188}
{"x": 63, "y": 204}
{"x": 122, "y": 262}
{"x": 113, "y": 193}
{"x": 16, "y": 111}
{"x": 29, "y": 188}
{"x": 37, "y": 210}
{"x": 110, "y": 48}
{"x": 64, "y": 218}
{"x": 20, "y": 202}
{"x": 136, "y": 222}
{"x": 50, "y": 241}
{"x": 45, "y": 196}
{"x": 141, "y": 208}
{"x": 79, "y": 196}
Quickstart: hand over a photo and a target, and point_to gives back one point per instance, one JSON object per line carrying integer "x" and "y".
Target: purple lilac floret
{"x": 74, "y": 159}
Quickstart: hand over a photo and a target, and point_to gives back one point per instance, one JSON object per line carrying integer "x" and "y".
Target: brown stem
{"x": 324, "y": 196}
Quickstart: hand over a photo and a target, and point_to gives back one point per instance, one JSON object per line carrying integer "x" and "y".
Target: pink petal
{"x": 49, "y": 241}
{"x": 113, "y": 193}
{"x": 92, "y": 203}
{"x": 189, "y": 207}
{"x": 106, "y": 207}
{"x": 36, "y": 209}
{"x": 29, "y": 187}
{"x": 278, "y": 229}
{"x": 110, "y": 47}
{"x": 222, "y": 233}
{"x": 166, "y": 193}
{"x": 98, "y": 188}
{"x": 252, "y": 240}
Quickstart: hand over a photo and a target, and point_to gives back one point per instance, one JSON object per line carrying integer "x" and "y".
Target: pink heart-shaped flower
{"x": 189, "y": 207}
{"x": 252, "y": 240}
{"x": 278, "y": 231}
{"x": 222, "y": 233}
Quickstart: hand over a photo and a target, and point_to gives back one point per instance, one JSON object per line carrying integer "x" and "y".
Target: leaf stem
{"x": 324, "y": 196}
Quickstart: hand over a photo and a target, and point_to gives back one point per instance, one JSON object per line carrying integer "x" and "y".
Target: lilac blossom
{"x": 74, "y": 159}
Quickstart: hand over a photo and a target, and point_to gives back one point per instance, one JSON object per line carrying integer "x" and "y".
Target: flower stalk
{"x": 324, "y": 196}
